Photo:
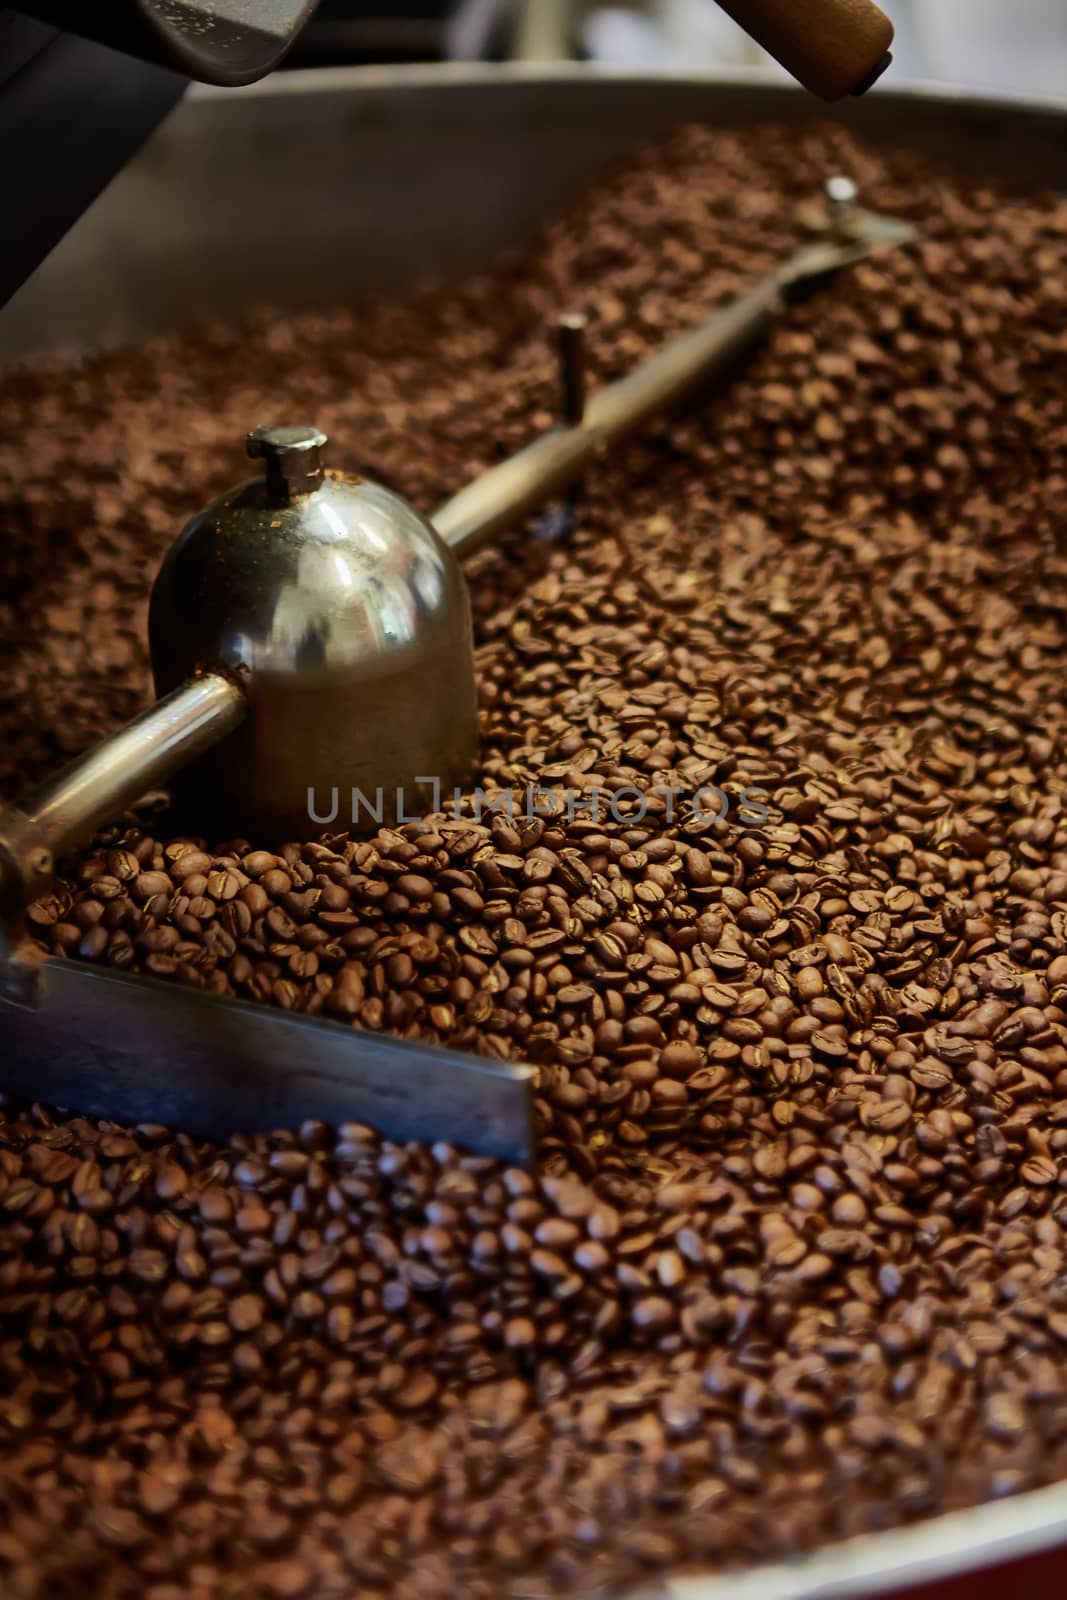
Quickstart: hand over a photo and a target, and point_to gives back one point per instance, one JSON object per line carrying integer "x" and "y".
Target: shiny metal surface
{"x": 140, "y": 1050}
{"x": 293, "y": 458}
{"x": 516, "y": 146}
{"x": 217, "y": 41}
{"x": 350, "y": 623}
{"x": 67, "y": 809}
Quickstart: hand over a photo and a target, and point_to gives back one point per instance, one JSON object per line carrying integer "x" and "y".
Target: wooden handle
{"x": 833, "y": 47}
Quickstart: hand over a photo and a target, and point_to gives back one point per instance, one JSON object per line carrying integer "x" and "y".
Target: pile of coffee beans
{"x": 793, "y": 1266}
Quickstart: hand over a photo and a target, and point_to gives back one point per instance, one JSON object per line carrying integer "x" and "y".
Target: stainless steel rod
{"x": 672, "y": 373}
{"x": 519, "y": 485}
{"x": 67, "y": 809}
{"x": 523, "y": 482}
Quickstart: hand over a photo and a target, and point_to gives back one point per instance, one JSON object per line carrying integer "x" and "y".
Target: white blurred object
{"x": 1015, "y": 45}
{"x": 670, "y": 33}
{"x": 909, "y": 52}
{"x": 995, "y": 45}
{"x": 696, "y": 30}
{"x": 623, "y": 37}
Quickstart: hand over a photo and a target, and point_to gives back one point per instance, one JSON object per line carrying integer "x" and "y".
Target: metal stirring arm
{"x": 689, "y": 362}
{"x": 66, "y": 810}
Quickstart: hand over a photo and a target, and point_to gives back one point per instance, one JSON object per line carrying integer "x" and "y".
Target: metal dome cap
{"x": 348, "y": 619}
{"x": 296, "y": 569}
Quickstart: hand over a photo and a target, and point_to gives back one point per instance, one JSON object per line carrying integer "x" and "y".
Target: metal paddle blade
{"x": 139, "y": 1050}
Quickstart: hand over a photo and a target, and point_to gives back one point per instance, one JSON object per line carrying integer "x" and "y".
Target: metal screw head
{"x": 842, "y": 201}
{"x": 842, "y": 206}
{"x": 292, "y": 458}
{"x": 841, "y": 191}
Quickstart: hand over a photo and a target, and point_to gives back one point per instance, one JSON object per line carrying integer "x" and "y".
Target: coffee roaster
{"x": 96, "y": 1038}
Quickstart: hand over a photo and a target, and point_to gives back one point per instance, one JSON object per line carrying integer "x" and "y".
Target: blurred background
{"x": 1017, "y": 45}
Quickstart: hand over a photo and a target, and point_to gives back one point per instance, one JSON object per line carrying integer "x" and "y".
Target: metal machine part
{"x": 347, "y": 620}
{"x": 844, "y": 235}
{"x": 141, "y": 1050}
{"x": 76, "y": 104}
{"x": 228, "y": 42}
{"x": 318, "y": 622}
{"x": 102, "y": 784}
